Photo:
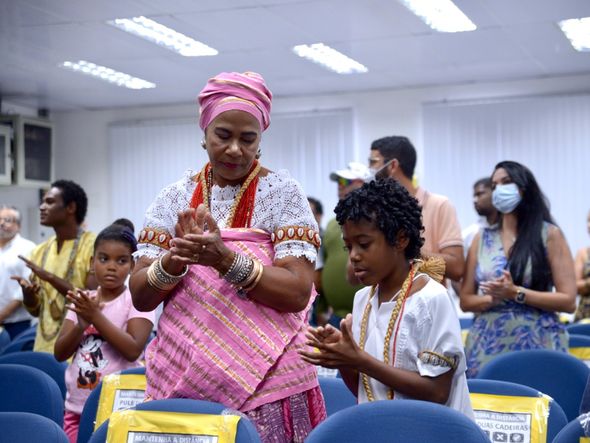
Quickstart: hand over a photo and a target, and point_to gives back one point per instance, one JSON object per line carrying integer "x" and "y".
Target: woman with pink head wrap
{"x": 231, "y": 251}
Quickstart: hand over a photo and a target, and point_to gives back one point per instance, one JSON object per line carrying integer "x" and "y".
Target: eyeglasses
{"x": 7, "y": 220}
{"x": 343, "y": 181}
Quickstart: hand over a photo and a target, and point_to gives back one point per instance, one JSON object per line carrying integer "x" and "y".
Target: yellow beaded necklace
{"x": 399, "y": 303}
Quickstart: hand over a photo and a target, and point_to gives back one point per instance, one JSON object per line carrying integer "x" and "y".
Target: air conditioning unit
{"x": 26, "y": 151}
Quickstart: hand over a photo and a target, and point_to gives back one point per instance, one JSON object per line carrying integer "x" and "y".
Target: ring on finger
{"x": 196, "y": 256}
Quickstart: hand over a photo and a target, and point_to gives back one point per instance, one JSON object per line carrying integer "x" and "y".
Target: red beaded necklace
{"x": 240, "y": 215}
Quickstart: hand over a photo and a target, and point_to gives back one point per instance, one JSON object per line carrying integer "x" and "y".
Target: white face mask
{"x": 506, "y": 198}
{"x": 380, "y": 172}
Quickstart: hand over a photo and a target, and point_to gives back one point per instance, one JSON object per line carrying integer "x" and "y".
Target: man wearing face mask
{"x": 395, "y": 157}
{"x": 519, "y": 274}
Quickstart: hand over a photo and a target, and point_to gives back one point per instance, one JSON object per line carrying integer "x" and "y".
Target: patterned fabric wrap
{"x": 290, "y": 419}
{"x": 510, "y": 326}
{"x": 214, "y": 345}
{"x": 232, "y": 90}
{"x": 583, "y": 309}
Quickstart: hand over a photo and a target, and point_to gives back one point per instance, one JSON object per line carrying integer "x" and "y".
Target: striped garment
{"x": 215, "y": 346}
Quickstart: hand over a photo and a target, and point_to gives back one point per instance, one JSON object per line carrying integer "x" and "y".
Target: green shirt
{"x": 338, "y": 292}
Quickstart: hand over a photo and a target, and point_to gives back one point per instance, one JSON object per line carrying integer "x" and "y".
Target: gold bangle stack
{"x": 250, "y": 282}
{"x": 254, "y": 277}
{"x": 160, "y": 280}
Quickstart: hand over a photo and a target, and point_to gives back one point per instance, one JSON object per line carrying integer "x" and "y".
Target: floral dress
{"x": 583, "y": 309}
{"x": 509, "y": 326}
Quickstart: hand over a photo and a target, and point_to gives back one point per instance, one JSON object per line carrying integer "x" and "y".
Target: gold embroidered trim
{"x": 436, "y": 359}
{"x": 300, "y": 233}
{"x": 155, "y": 237}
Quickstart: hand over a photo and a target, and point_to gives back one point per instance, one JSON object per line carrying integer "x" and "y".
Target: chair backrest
{"x": 557, "y": 374}
{"x": 24, "y": 427}
{"x": 579, "y": 347}
{"x": 40, "y": 360}
{"x": 493, "y": 400}
{"x": 579, "y": 329}
{"x": 24, "y": 343}
{"x": 29, "y": 332}
{"x": 88, "y": 416}
{"x": 246, "y": 431}
{"x": 89, "y": 413}
{"x": 336, "y": 394}
{"x": 574, "y": 430}
{"x": 27, "y": 389}
{"x": 402, "y": 421}
{"x": 4, "y": 339}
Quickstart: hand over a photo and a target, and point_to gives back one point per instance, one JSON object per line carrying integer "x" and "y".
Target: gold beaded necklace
{"x": 207, "y": 184}
{"x": 399, "y": 304}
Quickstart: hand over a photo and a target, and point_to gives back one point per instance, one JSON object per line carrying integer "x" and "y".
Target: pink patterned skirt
{"x": 290, "y": 419}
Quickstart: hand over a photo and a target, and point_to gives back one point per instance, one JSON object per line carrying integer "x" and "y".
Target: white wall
{"x": 82, "y": 136}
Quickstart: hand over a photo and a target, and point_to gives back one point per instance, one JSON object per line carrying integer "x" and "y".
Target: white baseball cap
{"x": 355, "y": 171}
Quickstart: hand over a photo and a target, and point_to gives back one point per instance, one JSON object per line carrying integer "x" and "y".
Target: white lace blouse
{"x": 280, "y": 203}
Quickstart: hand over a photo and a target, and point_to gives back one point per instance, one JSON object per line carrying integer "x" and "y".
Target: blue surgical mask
{"x": 506, "y": 198}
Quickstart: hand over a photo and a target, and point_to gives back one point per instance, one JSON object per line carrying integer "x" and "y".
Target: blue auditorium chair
{"x": 88, "y": 416}
{"x": 24, "y": 343}
{"x": 574, "y": 430}
{"x": 40, "y": 360}
{"x": 336, "y": 394}
{"x": 399, "y": 421}
{"x": 557, "y": 374}
{"x": 24, "y": 427}
{"x": 579, "y": 328}
{"x": 27, "y": 389}
{"x": 4, "y": 339}
{"x": 556, "y": 419}
{"x": 246, "y": 432}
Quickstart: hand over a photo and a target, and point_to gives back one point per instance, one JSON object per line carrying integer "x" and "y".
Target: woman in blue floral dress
{"x": 520, "y": 274}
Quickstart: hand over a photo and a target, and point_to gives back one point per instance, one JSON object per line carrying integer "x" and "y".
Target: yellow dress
{"x": 52, "y": 307}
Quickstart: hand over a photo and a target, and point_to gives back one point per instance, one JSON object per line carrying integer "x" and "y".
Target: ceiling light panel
{"x": 577, "y": 30}
{"x": 159, "y": 34}
{"x": 107, "y": 74}
{"x": 330, "y": 58}
{"x": 440, "y": 15}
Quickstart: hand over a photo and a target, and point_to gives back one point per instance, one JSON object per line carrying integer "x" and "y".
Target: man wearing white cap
{"x": 339, "y": 294}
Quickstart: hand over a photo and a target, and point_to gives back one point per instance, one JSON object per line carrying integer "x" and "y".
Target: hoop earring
{"x": 203, "y": 144}
{"x": 258, "y": 154}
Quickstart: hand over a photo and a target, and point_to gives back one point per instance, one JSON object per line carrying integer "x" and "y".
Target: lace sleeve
{"x": 161, "y": 217}
{"x": 295, "y": 212}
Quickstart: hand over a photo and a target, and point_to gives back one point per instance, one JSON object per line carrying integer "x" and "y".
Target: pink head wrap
{"x": 232, "y": 90}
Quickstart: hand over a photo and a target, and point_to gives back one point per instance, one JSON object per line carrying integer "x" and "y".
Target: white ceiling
{"x": 515, "y": 39}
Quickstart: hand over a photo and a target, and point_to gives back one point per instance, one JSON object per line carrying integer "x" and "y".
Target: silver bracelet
{"x": 165, "y": 277}
{"x": 239, "y": 270}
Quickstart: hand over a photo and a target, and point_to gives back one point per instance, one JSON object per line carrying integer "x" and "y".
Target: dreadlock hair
{"x": 390, "y": 207}
{"x": 531, "y": 212}
{"x": 117, "y": 233}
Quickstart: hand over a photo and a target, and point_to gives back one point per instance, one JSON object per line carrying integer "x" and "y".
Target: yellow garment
{"x": 57, "y": 263}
